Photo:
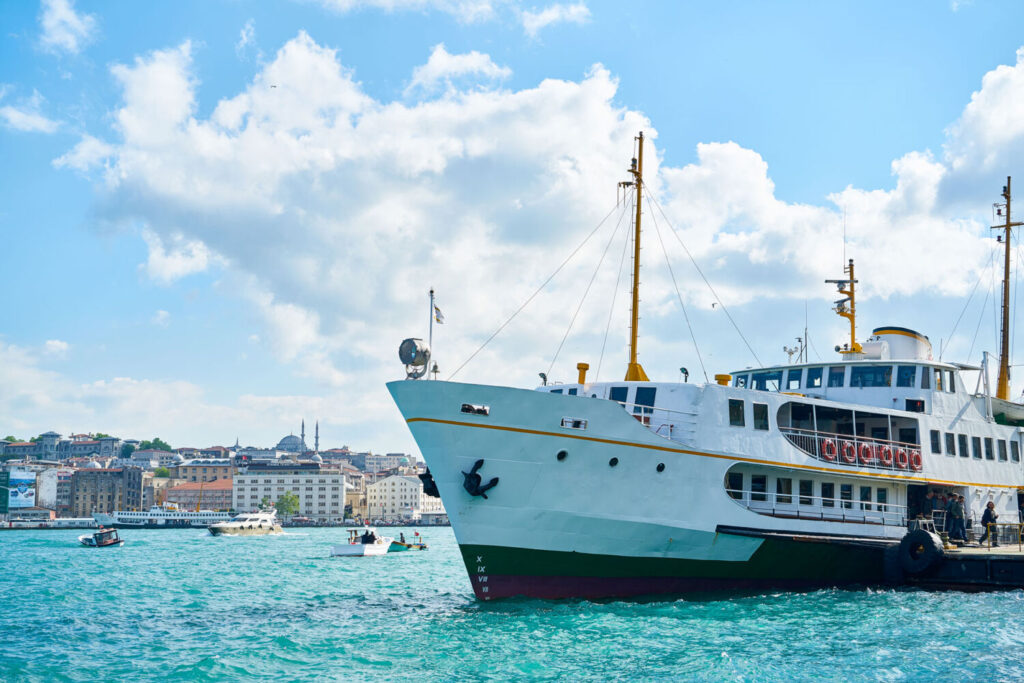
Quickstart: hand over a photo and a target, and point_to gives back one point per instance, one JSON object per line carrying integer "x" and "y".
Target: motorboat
{"x": 257, "y": 523}
{"x": 400, "y": 545}
{"x": 104, "y": 538}
{"x": 362, "y": 542}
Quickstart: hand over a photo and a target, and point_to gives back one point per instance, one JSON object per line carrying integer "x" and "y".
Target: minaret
{"x": 302, "y": 435}
{"x": 316, "y": 439}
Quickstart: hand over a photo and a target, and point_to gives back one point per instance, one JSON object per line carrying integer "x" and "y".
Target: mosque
{"x": 297, "y": 444}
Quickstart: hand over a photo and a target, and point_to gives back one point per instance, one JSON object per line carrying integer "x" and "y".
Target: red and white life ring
{"x": 901, "y": 459}
{"x": 849, "y": 452}
{"x": 915, "y": 461}
{"x": 828, "y": 450}
{"x": 885, "y": 456}
{"x": 866, "y": 453}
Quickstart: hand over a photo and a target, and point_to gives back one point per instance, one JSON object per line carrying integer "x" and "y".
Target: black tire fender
{"x": 920, "y": 550}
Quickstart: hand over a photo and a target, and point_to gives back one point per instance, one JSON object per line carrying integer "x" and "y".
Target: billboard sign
{"x": 22, "y": 488}
{"x": 4, "y": 477}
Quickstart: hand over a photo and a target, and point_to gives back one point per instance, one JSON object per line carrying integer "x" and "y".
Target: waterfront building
{"x": 32, "y": 514}
{"x": 50, "y": 446}
{"x": 146, "y": 458}
{"x": 320, "y": 488}
{"x": 53, "y": 489}
{"x": 219, "y": 452}
{"x": 105, "y": 490}
{"x": 399, "y": 498}
{"x": 203, "y": 469}
{"x": 379, "y": 463}
{"x": 209, "y": 495}
{"x": 355, "y": 492}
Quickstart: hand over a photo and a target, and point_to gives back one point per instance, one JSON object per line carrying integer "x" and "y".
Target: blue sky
{"x": 221, "y": 217}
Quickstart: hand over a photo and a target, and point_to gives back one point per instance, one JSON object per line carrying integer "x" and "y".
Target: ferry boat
{"x": 160, "y": 517}
{"x": 793, "y": 476}
{"x": 249, "y": 524}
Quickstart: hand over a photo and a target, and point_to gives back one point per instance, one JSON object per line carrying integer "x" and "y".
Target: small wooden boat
{"x": 103, "y": 538}
{"x": 400, "y": 545}
{"x": 362, "y": 542}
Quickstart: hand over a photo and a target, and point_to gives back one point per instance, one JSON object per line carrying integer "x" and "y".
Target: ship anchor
{"x": 472, "y": 481}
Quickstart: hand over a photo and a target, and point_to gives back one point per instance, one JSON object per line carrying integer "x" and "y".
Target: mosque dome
{"x": 291, "y": 444}
{"x": 403, "y": 461}
{"x": 178, "y": 459}
{"x": 316, "y": 458}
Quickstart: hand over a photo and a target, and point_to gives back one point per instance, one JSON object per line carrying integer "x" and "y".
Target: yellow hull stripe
{"x": 732, "y": 458}
{"x": 901, "y": 332}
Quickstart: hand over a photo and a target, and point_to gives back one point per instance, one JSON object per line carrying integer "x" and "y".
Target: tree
{"x": 101, "y": 435}
{"x": 156, "y": 444}
{"x": 11, "y": 439}
{"x": 127, "y": 450}
{"x": 161, "y": 472}
{"x": 287, "y": 504}
{"x": 35, "y": 439}
{"x": 265, "y": 503}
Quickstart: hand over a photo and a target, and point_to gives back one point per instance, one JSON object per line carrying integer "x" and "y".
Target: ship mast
{"x": 847, "y": 307}
{"x": 1003, "y": 385}
{"x": 635, "y": 373}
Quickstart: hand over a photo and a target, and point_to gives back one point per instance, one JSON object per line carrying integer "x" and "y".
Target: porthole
{"x": 562, "y": 454}
{"x": 613, "y": 462}
{"x": 661, "y": 467}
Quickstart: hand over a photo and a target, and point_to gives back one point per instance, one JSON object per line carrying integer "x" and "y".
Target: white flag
{"x": 438, "y": 315}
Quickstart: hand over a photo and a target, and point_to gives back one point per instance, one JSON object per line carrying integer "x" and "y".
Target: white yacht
{"x": 362, "y": 542}
{"x": 160, "y": 517}
{"x": 792, "y": 476}
{"x": 249, "y": 524}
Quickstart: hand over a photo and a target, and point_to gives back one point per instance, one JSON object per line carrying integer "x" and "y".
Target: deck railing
{"x": 797, "y": 506}
{"x": 857, "y": 451}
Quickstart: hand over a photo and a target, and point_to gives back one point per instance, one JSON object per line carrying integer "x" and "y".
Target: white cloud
{"x": 27, "y": 116}
{"x": 443, "y": 68}
{"x": 56, "y": 348}
{"x": 161, "y": 318}
{"x": 246, "y": 37}
{"x": 182, "y": 257}
{"x": 88, "y": 153}
{"x": 465, "y": 11}
{"x": 63, "y": 28}
{"x": 534, "y": 21}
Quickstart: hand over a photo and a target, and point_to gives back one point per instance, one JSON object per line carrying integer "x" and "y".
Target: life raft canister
{"x": 866, "y": 453}
{"x": 885, "y": 455}
{"x": 828, "y": 449}
{"x": 849, "y": 452}
{"x": 915, "y": 461}
{"x": 901, "y": 459}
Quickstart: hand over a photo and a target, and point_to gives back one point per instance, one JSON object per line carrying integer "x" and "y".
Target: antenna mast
{"x": 847, "y": 307}
{"x": 635, "y": 373}
{"x": 1003, "y": 385}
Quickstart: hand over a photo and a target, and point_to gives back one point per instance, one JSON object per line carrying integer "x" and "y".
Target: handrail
{"x": 866, "y": 451}
{"x": 993, "y": 529}
{"x": 837, "y": 435}
{"x": 791, "y": 505}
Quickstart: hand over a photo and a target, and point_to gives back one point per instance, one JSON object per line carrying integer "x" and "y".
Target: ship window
{"x": 1002, "y": 450}
{"x": 644, "y": 400}
{"x": 908, "y": 435}
{"x": 814, "y": 378}
{"x": 936, "y": 442}
{"x": 574, "y": 423}
{"x": 572, "y": 392}
{"x": 784, "y": 491}
{"x": 793, "y": 380}
{"x": 989, "y": 453}
{"x": 938, "y": 379}
{"x": 758, "y": 486}
{"x": 846, "y": 495}
{"x": 806, "y": 492}
{"x": 962, "y": 442}
{"x": 735, "y": 412}
{"x": 740, "y": 382}
{"x": 905, "y": 375}
{"x": 618, "y": 394}
{"x": 950, "y": 382}
{"x": 835, "y": 376}
{"x": 865, "y": 497}
{"x": 1014, "y": 451}
{"x": 915, "y": 405}
{"x": 976, "y": 447}
{"x": 767, "y": 381}
{"x": 925, "y": 379}
{"x": 761, "y": 416}
{"x": 882, "y": 497}
{"x": 950, "y": 444}
{"x": 734, "y": 484}
{"x": 471, "y": 409}
{"x": 871, "y": 376}
{"x": 556, "y": 391}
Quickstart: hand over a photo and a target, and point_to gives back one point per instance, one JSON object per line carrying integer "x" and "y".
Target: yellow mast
{"x": 635, "y": 373}
{"x": 847, "y": 307}
{"x": 1003, "y": 385}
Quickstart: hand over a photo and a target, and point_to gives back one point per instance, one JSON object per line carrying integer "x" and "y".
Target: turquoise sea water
{"x": 183, "y": 605}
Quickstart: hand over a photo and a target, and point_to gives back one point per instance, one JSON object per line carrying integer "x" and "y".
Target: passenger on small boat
{"x": 368, "y": 537}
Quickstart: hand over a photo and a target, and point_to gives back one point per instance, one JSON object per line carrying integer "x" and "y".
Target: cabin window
{"x": 644, "y": 400}
{"x": 950, "y": 382}
{"x": 1002, "y": 450}
{"x": 758, "y": 487}
{"x": 950, "y": 444}
{"x": 761, "y": 416}
{"x": 938, "y": 379}
{"x": 734, "y": 484}
{"x": 1014, "y": 451}
{"x": 574, "y": 423}
{"x": 871, "y": 376}
{"x": 814, "y": 378}
{"x": 908, "y": 435}
{"x": 784, "y": 491}
{"x": 962, "y": 441}
{"x": 846, "y": 495}
{"x": 740, "y": 382}
{"x": 736, "y": 412}
{"x": 976, "y": 447}
{"x": 905, "y": 375}
{"x": 618, "y": 394}
{"x": 882, "y": 497}
{"x": 915, "y": 405}
{"x": 828, "y": 495}
{"x": 865, "y": 497}
{"x": 767, "y": 381}
{"x": 793, "y": 380}
{"x": 989, "y": 453}
{"x": 936, "y": 442}
{"x": 572, "y": 392}
{"x": 806, "y": 492}
{"x": 925, "y": 379}
{"x": 556, "y": 391}
{"x": 467, "y": 408}
{"x": 835, "y": 376}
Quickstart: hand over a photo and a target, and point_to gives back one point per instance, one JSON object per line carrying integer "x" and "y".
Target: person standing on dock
{"x": 928, "y": 505}
{"x": 956, "y": 513}
{"x": 989, "y": 518}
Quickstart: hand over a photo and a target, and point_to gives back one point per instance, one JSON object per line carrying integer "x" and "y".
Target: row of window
{"x": 737, "y": 414}
{"x": 826, "y": 495}
{"x": 957, "y": 444}
{"x": 860, "y": 376}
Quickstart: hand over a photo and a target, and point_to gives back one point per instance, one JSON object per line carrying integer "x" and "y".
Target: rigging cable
{"x": 962, "y": 311}
{"x": 680, "y": 296}
{"x": 706, "y": 282}
{"x": 586, "y": 291}
{"x": 615, "y": 293}
{"x": 981, "y": 316}
{"x": 534, "y": 295}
